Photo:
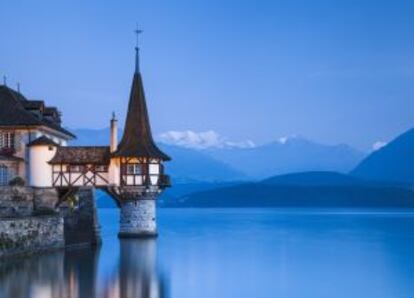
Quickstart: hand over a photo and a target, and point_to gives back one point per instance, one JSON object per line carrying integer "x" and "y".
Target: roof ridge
{"x": 13, "y": 112}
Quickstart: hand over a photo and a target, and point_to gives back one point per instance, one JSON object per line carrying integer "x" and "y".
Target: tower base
{"x": 138, "y": 219}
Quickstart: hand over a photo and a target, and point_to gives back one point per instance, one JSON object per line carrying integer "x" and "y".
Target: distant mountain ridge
{"x": 393, "y": 162}
{"x": 247, "y": 163}
{"x": 294, "y": 154}
{"x": 191, "y": 166}
{"x": 314, "y": 179}
{"x": 311, "y": 189}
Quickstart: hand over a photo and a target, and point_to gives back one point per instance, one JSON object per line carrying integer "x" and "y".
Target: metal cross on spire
{"x": 137, "y": 32}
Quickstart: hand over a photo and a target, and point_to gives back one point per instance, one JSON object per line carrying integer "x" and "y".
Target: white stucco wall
{"x": 114, "y": 172}
{"x": 40, "y": 171}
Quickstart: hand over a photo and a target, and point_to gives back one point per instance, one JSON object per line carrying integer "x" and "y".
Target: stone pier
{"x": 138, "y": 217}
{"x": 26, "y": 235}
{"x": 81, "y": 220}
{"x": 34, "y": 220}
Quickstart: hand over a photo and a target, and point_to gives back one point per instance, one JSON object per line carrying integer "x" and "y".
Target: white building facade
{"x": 21, "y": 122}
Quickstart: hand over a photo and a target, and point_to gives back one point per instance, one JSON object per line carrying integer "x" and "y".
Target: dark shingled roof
{"x": 78, "y": 155}
{"x": 137, "y": 140}
{"x": 42, "y": 141}
{"x": 51, "y": 111}
{"x": 14, "y": 114}
{"x": 34, "y": 104}
{"x": 10, "y": 158}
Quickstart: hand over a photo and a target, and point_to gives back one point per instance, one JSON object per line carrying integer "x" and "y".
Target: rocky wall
{"x": 30, "y": 220}
{"x": 16, "y": 201}
{"x": 30, "y": 234}
{"x": 81, "y": 221}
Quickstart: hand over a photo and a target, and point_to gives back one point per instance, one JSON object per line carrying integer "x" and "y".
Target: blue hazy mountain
{"x": 314, "y": 179}
{"x": 191, "y": 166}
{"x": 292, "y": 155}
{"x": 233, "y": 163}
{"x": 393, "y": 162}
{"x": 312, "y": 189}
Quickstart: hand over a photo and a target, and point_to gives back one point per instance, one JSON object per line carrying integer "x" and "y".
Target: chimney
{"x": 114, "y": 133}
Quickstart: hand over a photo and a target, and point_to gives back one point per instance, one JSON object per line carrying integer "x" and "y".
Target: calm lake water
{"x": 232, "y": 253}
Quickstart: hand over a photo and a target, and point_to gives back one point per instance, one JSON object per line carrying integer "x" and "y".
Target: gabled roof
{"x": 80, "y": 155}
{"x": 13, "y": 112}
{"x": 42, "y": 141}
{"x": 137, "y": 140}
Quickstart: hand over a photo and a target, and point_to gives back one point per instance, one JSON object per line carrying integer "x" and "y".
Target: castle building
{"x": 24, "y": 122}
{"x": 33, "y": 146}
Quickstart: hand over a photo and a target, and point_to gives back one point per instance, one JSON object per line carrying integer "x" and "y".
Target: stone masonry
{"x": 81, "y": 220}
{"x": 30, "y": 234}
{"x": 16, "y": 202}
{"x": 138, "y": 217}
{"x": 31, "y": 221}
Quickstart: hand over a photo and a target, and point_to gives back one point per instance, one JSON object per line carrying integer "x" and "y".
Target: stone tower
{"x": 138, "y": 167}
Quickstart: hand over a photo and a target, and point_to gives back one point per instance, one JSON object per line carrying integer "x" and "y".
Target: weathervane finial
{"x": 137, "y": 32}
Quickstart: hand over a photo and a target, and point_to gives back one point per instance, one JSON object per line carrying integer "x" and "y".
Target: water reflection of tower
{"x": 81, "y": 272}
{"x": 137, "y": 273}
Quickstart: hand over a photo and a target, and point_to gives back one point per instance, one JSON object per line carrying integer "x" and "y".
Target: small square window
{"x": 134, "y": 169}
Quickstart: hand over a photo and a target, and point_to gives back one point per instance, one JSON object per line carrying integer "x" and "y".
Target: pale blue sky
{"x": 332, "y": 71}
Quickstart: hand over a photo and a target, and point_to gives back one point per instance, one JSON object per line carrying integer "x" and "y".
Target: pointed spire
{"x": 137, "y": 140}
{"x": 18, "y": 87}
{"x": 137, "y": 32}
{"x": 4, "y": 80}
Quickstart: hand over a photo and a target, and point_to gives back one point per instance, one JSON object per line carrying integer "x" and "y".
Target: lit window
{"x": 154, "y": 169}
{"x": 7, "y": 140}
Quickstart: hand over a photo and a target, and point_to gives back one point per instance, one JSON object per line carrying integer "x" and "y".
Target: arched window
{"x": 4, "y": 175}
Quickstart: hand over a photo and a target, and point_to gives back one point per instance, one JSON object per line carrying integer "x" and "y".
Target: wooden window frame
{"x": 7, "y": 140}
